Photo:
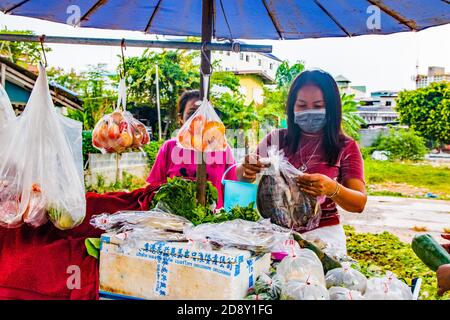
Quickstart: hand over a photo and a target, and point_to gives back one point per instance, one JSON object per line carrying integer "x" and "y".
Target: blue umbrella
{"x": 238, "y": 19}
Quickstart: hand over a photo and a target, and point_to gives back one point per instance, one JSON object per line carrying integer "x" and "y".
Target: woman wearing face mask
{"x": 315, "y": 144}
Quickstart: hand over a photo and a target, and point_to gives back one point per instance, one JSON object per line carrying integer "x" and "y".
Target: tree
{"x": 427, "y": 111}
{"x": 21, "y": 53}
{"x": 286, "y": 73}
{"x": 351, "y": 122}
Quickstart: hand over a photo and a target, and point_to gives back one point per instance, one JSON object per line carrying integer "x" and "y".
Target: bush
{"x": 129, "y": 182}
{"x": 87, "y": 145}
{"x": 402, "y": 144}
{"x": 151, "y": 149}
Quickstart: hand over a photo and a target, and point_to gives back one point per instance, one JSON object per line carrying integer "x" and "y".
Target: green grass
{"x": 434, "y": 179}
{"x": 378, "y": 253}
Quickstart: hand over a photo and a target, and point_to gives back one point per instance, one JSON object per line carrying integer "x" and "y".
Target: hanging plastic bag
{"x": 304, "y": 266}
{"x": 300, "y": 290}
{"x": 346, "y": 277}
{"x": 119, "y": 131}
{"x": 259, "y": 237}
{"x": 204, "y": 131}
{"x": 6, "y": 110}
{"x": 340, "y": 293}
{"x": 280, "y": 198}
{"x": 39, "y": 177}
{"x": 387, "y": 288}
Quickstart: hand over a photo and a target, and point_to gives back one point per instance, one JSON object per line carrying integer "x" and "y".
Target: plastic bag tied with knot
{"x": 280, "y": 199}
{"x": 40, "y": 176}
{"x": 388, "y": 287}
{"x": 340, "y": 293}
{"x": 346, "y": 277}
{"x": 259, "y": 237}
{"x": 119, "y": 131}
{"x": 300, "y": 290}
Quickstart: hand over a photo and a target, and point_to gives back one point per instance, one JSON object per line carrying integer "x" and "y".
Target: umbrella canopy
{"x": 237, "y": 19}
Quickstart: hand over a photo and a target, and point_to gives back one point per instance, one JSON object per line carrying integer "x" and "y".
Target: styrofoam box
{"x": 177, "y": 270}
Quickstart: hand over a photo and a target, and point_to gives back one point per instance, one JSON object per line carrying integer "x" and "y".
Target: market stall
{"x": 169, "y": 242}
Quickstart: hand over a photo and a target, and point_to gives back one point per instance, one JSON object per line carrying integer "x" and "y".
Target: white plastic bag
{"x": 330, "y": 239}
{"x": 346, "y": 277}
{"x": 39, "y": 177}
{"x": 387, "y": 288}
{"x": 203, "y": 131}
{"x": 303, "y": 266}
{"x": 119, "y": 131}
{"x": 6, "y": 110}
{"x": 300, "y": 290}
{"x": 340, "y": 293}
{"x": 280, "y": 199}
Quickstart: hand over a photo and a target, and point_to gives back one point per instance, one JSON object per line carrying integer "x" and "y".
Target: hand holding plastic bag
{"x": 280, "y": 198}
{"x": 119, "y": 131}
{"x": 39, "y": 175}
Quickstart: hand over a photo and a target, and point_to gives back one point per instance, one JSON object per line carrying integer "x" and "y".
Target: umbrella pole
{"x": 207, "y": 13}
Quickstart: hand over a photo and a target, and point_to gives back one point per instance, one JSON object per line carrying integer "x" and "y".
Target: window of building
{"x": 241, "y": 56}
{"x": 271, "y": 66}
{"x": 259, "y": 62}
{"x": 388, "y": 103}
{"x": 247, "y": 58}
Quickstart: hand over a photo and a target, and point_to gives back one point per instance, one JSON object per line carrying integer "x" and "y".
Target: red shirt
{"x": 349, "y": 164}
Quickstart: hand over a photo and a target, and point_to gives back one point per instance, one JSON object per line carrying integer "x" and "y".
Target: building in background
{"x": 254, "y": 70}
{"x": 345, "y": 87}
{"x": 379, "y": 108}
{"x": 435, "y": 74}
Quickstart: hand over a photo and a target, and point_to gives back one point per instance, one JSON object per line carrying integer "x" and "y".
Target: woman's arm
{"x": 351, "y": 196}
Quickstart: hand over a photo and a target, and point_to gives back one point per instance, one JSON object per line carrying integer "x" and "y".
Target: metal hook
{"x": 41, "y": 40}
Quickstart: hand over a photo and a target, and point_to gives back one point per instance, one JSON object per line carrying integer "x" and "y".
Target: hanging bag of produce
{"x": 39, "y": 177}
{"x": 204, "y": 131}
{"x": 280, "y": 198}
{"x": 119, "y": 131}
{"x": 6, "y": 110}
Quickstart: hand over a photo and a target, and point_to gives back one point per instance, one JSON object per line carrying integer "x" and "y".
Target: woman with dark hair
{"x": 315, "y": 143}
{"x": 175, "y": 161}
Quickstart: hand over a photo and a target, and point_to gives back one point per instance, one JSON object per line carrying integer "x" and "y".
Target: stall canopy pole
{"x": 158, "y": 103}
{"x": 205, "y": 68}
{"x": 137, "y": 43}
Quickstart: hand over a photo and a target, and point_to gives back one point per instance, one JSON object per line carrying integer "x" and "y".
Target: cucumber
{"x": 430, "y": 251}
{"x": 328, "y": 263}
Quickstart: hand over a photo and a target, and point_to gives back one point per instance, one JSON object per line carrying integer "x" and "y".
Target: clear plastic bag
{"x": 300, "y": 290}
{"x": 280, "y": 198}
{"x": 346, "y": 277}
{"x": 387, "y": 288}
{"x": 119, "y": 131}
{"x": 259, "y": 237}
{"x": 203, "y": 131}
{"x": 304, "y": 266}
{"x": 269, "y": 285}
{"x": 39, "y": 176}
{"x": 6, "y": 110}
{"x": 340, "y": 293}
{"x": 330, "y": 239}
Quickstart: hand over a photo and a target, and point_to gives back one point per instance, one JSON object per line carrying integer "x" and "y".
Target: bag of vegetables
{"x": 39, "y": 176}
{"x": 119, "y": 131}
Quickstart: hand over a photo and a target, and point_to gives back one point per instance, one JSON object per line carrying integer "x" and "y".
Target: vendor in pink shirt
{"x": 175, "y": 161}
{"x": 315, "y": 143}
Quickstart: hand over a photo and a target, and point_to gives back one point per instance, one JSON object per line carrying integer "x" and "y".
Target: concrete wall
{"x": 368, "y": 136}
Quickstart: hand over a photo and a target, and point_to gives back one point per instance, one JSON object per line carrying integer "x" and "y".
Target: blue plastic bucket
{"x": 237, "y": 192}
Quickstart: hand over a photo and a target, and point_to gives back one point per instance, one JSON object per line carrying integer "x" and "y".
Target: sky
{"x": 379, "y": 62}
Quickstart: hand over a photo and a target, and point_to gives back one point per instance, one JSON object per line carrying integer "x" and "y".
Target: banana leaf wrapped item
{"x": 280, "y": 199}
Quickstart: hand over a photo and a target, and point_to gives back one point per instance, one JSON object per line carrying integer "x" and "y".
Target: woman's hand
{"x": 251, "y": 167}
{"x": 317, "y": 184}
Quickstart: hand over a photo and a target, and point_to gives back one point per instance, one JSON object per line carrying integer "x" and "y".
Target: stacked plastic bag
{"x": 387, "y": 288}
{"x": 41, "y": 174}
{"x": 119, "y": 131}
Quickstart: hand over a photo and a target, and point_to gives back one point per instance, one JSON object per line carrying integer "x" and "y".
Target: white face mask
{"x": 311, "y": 121}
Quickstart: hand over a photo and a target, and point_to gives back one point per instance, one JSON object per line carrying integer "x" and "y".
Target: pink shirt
{"x": 349, "y": 164}
{"x": 174, "y": 161}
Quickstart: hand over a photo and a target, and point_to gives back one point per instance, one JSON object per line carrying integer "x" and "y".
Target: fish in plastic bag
{"x": 300, "y": 290}
{"x": 39, "y": 175}
{"x": 304, "y": 266}
{"x": 203, "y": 131}
{"x": 119, "y": 131}
{"x": 340, "y": 293}
{"x": 280, "y": 198}
{"x": 346, "y": 277}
